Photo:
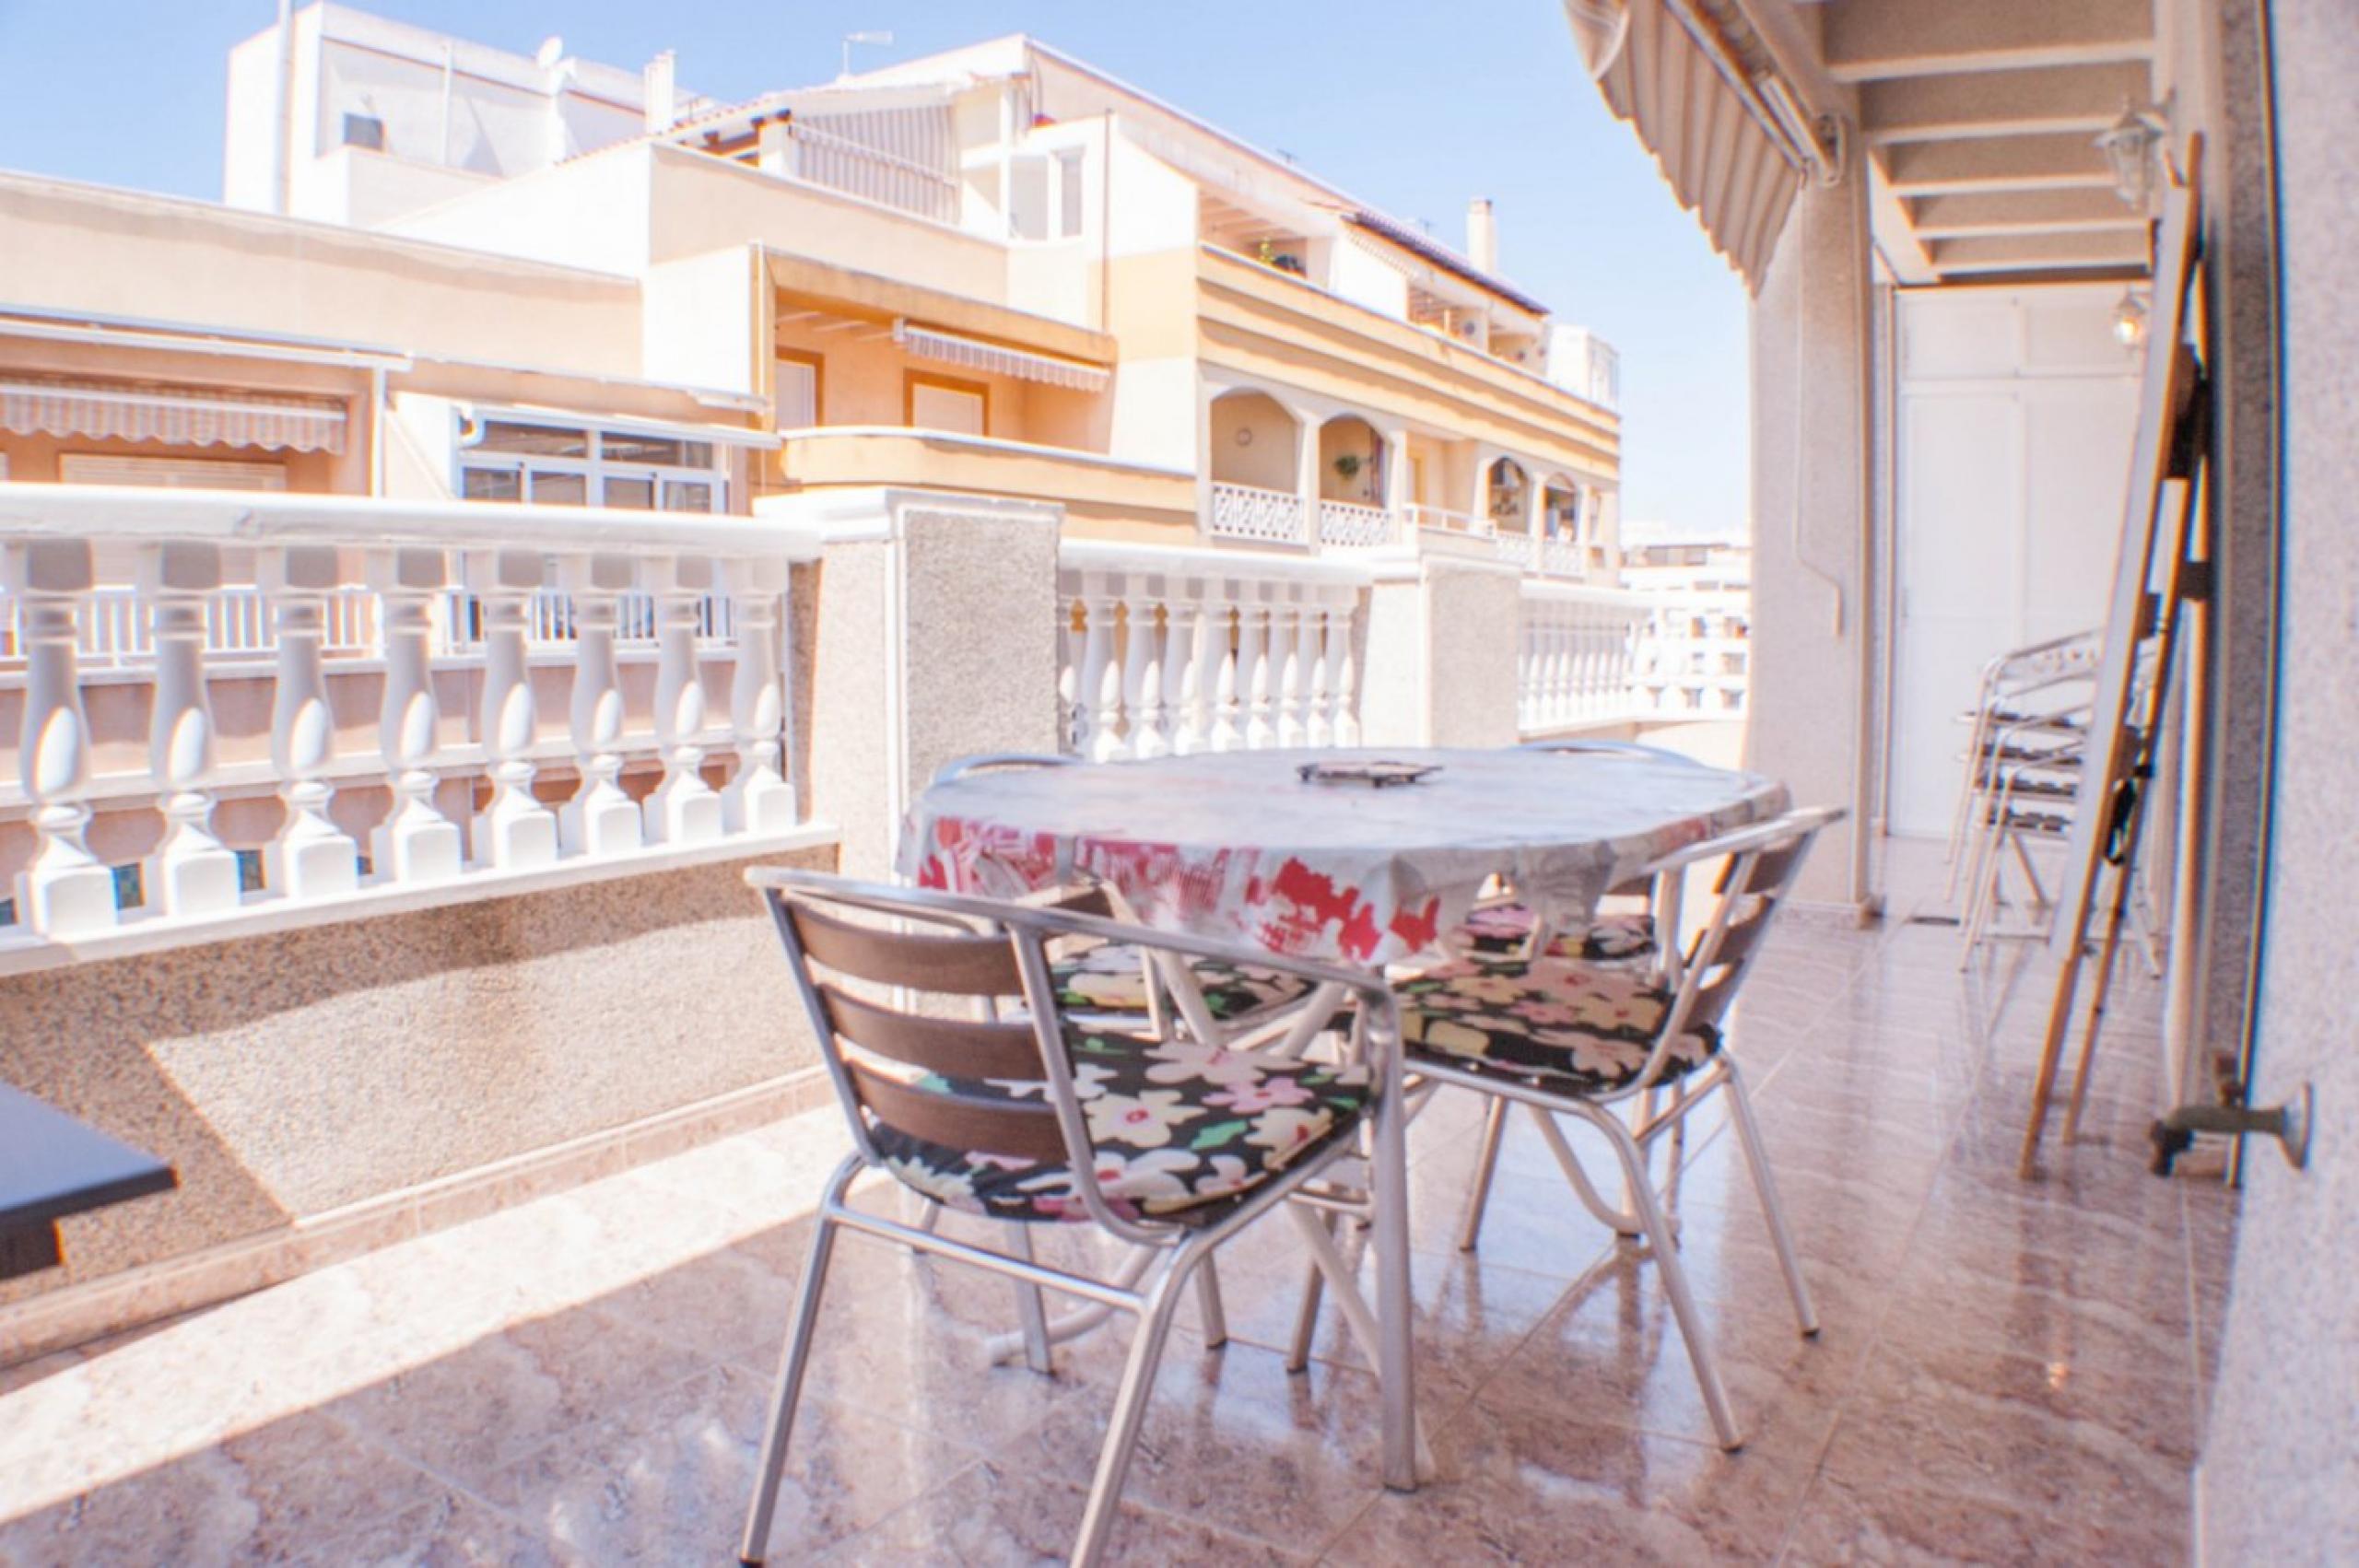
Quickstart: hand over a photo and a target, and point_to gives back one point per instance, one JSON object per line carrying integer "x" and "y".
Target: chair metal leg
{"x": 1130, "y": 1406}
{"x": 771, "y": 1466}
{"x": 1765, "y": 1188}
{"x": 1210, "y": 1315}
{"x": 1306, "y": 1319}
{"x": 1030, "y": 1311}
{"x": 1674, "y": 1283}
{"x": 1478, "y": 1197}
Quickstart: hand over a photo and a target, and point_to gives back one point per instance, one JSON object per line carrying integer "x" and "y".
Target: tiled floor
{"x": 2009, "y": 1372}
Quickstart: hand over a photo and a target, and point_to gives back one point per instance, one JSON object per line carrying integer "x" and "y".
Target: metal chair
{"x": 1039, "y": 1121}
{"x": 1621, "y": 1035}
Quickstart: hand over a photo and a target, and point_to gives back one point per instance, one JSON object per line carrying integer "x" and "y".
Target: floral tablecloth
{"x": 1235, "y": 846}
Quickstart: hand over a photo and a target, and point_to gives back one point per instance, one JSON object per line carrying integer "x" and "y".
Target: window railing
{"x": 1577, "y": 665}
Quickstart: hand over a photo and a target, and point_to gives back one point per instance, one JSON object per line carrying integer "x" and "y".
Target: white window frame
{"x": 595, "y": 469}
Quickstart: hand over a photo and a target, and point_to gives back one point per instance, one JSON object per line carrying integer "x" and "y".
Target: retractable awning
{"x": 1676, "y": 70}
{"x": 180, "y": 416}
{"x": 974, "y": 353}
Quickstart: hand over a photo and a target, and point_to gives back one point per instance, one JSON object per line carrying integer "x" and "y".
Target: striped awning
{"x": 993, "y": 358}
{"x": 1672, "y": 70}
{"x": 177, "y": 416}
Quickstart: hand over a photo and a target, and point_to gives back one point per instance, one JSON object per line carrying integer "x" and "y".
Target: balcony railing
{"x": 1350, "y": 525}
{"x": 334, "y": 634}
{"x": 1262, "y": 517}
{"x": 1577, "y": 663}
{"x": 1442, "y": 519}
{"x": 1177, "y": 651}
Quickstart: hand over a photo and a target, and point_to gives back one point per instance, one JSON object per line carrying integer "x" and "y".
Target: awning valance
{"x": 1668, "y": 68}
{"x": 974, "y": 353}
{"x": 178, "y": 416}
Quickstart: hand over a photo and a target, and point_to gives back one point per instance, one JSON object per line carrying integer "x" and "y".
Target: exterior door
{"x": 2015, "y": 416}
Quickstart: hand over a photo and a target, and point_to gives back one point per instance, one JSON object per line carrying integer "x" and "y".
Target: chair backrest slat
{"x": 963, "y": 1122}
{"x": 956, "y": 1047}
{"x": 958, "y": 966}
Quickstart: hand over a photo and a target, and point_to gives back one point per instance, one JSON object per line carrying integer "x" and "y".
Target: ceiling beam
{"x": 2020, "y": 212}
{"x": 2063, "y": 161}
{"x": 2059, "y": 99}
{"x": 1867, "y": 40}
{"x": 2031, "y": 253}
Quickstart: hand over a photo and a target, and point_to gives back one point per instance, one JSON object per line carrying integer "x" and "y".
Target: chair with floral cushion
{"x": 1116, "y": 979}
{"x": 1169, "y": 1144}
{"x": 1561, "y": 1035}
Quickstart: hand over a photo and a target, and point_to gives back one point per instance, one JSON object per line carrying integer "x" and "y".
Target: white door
{"x": 936, "y": 407}
{"x": 2016, "y": 411}
{"x": 797, "y": 395}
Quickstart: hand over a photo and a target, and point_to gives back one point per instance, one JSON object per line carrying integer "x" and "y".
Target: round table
{"x": 1236, "y": 846}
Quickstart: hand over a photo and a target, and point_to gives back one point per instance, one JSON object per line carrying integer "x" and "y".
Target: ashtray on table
{"x": 1374, "y": 775}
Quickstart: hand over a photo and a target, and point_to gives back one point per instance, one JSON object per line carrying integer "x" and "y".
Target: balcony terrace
{"x": 2005, "y": 1373}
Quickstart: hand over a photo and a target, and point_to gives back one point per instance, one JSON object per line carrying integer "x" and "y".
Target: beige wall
{"x": 112, "y": 253}
{"x": 1254, "y": 442}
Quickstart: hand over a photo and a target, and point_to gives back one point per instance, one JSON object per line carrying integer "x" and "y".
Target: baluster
{"x": 1183, "y": 673}
{"x": 1285, "y": 671}
{"x": 65, "y": 891}
{"x": 600, "y": 819}
{"x": 514, "y": 830}
{"x": 757, "y": 798}
{"x": 311, "y": 857}
{"x": 1317, "y": 728}
{"x": 1342, "y": 701}
{"x": 1254, "y": 672}
{"x": 682, "y": 809}
{"x": 1226, "y": 632}
{"x": 190, "y": 873}
{"x": 1068, "y": 675}
{"x": 1143, "y": 661}
{"x": 415, "y": 842}
{"x": 1102, "y": 678}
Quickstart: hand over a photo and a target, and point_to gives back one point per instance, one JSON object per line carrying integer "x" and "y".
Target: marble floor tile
{"x": 1842, "y": 1524}
{"x": 995, "y": 1515}
{"x": 1526, "y": 1485}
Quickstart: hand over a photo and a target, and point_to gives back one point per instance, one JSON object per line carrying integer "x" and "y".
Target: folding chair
{"x": 1611, "y": 1034}
{"x": 1171, "y": 1145}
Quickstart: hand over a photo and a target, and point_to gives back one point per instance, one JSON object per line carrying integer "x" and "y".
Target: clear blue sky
{"x": 1412, "y": 106}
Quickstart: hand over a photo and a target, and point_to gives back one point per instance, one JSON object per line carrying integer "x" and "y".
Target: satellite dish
{"x": 551, "y": 51}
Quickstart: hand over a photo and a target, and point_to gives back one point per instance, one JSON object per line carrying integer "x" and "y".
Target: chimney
{"x": 662, "y": 92}
{"x": 1481, "y": 235}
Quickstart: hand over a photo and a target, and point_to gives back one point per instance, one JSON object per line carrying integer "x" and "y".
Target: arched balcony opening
{"x": 1256, "y": 471}
{"x": 1351, "y": 459}
{"x": 1510, "y": 497}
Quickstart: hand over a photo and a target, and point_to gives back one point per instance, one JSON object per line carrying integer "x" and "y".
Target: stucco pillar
{"x": 1398, "y": 475}
{"x": 1810, "y": 585}
{"x": 1443, "y": 639}
{"x": 933, "y": 636}
{"x": 1306, "y": 469}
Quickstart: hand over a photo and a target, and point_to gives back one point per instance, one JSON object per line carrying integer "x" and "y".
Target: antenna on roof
{"x": 852, "y": 37}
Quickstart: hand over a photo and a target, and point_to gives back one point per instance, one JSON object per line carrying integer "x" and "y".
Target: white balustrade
{"x": 415, "y": 842}
{"x": 1350, "y": 525}
{"x": 311, "y": 858}
{"x": 600, "y": 819}
{"x": 191, "y": 872}
{"x": 757, "y": 798}
{"x": 1188, "y": 652}
{"x": 1577, "y": 663}
{"x": 353, "y": 624}
{"x": 682, "y": 809}
{"x": 65, "y": 891}
{"x": 1442, "y": 519}
{"x": 1267, "y": 517}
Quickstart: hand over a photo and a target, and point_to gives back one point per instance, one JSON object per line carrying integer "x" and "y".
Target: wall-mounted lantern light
{"x": 2129, "y": 147}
